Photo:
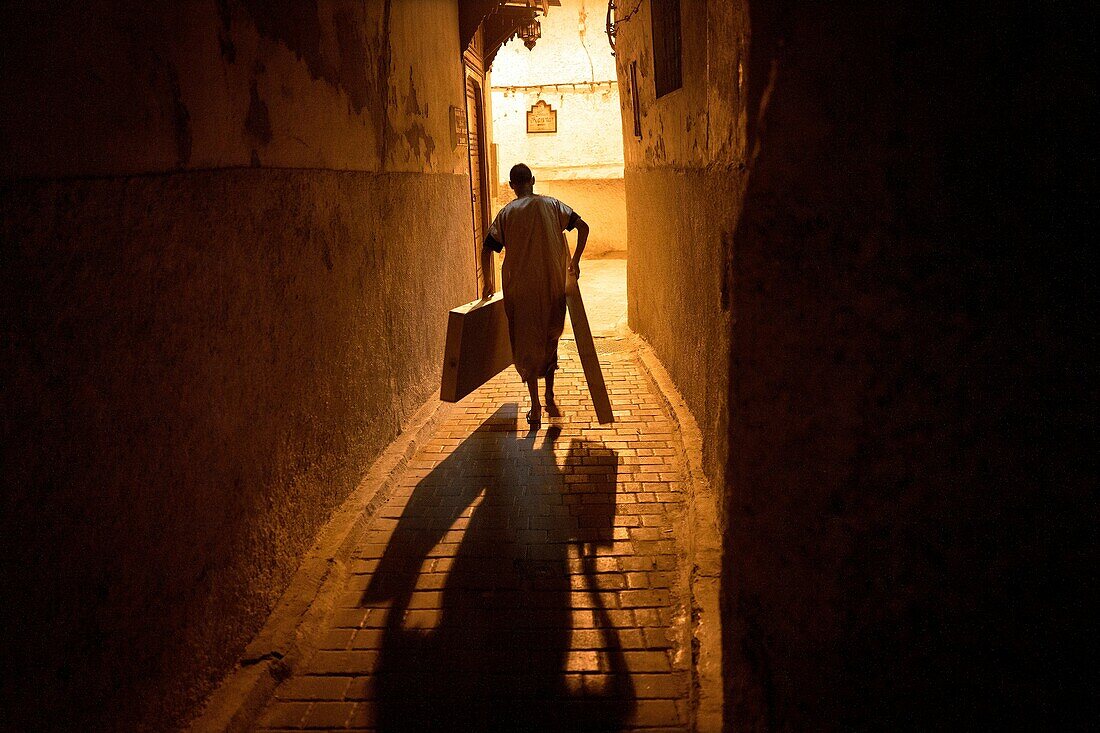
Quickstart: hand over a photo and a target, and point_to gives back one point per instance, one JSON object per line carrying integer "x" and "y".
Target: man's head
{"x": 521, "y": 179}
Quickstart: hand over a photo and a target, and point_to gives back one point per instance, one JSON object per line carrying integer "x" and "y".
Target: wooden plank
{"x": 586, "y": 348}
{"x": 477, "y": 347}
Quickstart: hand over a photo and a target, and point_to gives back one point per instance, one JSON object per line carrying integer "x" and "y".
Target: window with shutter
{"x": 665, "y": 21}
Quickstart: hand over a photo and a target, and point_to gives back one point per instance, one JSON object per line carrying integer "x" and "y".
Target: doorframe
{"x": 474, "y": 75}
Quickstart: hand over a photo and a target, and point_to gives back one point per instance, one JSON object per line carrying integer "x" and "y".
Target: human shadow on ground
{"x": 494, "y": 657}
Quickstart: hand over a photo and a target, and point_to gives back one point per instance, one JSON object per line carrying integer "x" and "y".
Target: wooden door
{"x": 479, "y": 172}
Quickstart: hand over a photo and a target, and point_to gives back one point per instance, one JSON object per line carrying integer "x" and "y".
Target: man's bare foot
{"x": 534, "y": 418}
{"x": 551, "y": 406}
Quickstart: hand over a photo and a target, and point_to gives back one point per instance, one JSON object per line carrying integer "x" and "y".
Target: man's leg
{"x": 536, "y": 409}
{"x": 551, "y": 406}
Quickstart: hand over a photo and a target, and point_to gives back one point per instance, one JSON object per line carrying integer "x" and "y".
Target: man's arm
{"x": 491, "y": 244}
{"x": 486, "y": 272}
{"x": 582, "y": 239}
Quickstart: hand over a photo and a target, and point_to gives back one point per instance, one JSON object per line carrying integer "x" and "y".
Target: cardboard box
{"x": 477, "y": 347}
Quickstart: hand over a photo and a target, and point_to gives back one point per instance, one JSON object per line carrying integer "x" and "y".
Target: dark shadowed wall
{"x": 906, "y": 497}
{"x": 230, "y": 231}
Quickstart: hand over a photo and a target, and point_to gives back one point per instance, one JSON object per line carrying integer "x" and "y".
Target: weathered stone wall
{"x": 677, "y": 296}
{"x": 684, "y": 181}
{"x": 906, "y": 346}
{"x": 230, "y": 233}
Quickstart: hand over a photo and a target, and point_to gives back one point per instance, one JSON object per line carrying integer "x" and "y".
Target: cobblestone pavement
{"x": 516, "y": 581}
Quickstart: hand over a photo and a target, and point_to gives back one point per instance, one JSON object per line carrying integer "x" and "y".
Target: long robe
{"x": 531, "y": 228}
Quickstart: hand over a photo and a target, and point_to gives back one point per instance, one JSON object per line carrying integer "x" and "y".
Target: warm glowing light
{"x": 531, "y": 33}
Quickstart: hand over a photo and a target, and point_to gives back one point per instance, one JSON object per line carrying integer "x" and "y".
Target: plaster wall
{"x": 602, "y": 203}
{"x": 684, "y": 184}
{"x": 572, "y": 69}
{"x": 902, "y": 486}
{"x": 573, "y": 48}
{"x": 587, "y": 144}
{"x": 213, "y": 231}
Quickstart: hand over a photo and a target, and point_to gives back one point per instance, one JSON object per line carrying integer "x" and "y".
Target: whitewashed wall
{"x": 572, "y": 69}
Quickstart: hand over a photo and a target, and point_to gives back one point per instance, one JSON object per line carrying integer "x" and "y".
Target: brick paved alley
{"x": 516, "y": 581}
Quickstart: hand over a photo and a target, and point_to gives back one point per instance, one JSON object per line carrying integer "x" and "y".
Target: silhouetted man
{"x": 535, "y": 268}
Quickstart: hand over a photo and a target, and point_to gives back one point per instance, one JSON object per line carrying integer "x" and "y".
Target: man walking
{"x": 532, "y": 228}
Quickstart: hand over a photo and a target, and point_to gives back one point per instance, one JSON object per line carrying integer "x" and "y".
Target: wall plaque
{"x": 459, "y": 131}
{"x": 542, "y": 118}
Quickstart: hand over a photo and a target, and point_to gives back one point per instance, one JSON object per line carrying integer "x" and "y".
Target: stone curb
{"x": 703, "y": 541}
{"x": 288, "y": 637}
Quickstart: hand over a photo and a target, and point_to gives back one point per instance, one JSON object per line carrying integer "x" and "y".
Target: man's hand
{"x": 582, "y": 239}
{"x": 486, "y": 290}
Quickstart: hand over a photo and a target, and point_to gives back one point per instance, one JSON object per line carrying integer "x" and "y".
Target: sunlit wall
{"x": 571, "y": 69}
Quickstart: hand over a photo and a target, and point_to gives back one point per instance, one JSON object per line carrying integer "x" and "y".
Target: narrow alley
{"x": 516, "y": 580}
{"x": 836, "y": 262}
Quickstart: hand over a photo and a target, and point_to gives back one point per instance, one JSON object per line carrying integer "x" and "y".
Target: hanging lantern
{"x": 531, "y": 32}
